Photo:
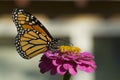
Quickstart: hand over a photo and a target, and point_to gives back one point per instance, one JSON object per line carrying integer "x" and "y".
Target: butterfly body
{"x": 32, "y": 38}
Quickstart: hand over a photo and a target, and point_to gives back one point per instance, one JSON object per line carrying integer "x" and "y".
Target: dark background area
{"x": 56, "y": 8}
{"x": 107, "y": 52}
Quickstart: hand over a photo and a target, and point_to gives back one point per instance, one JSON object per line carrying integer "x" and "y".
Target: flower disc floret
{"x": 69, "y": 49}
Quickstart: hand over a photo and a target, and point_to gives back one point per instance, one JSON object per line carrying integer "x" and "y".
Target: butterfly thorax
{"x": 53, "y": 44}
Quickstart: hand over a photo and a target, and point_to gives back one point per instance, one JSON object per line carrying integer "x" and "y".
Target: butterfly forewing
{"x": 24, "y": 20}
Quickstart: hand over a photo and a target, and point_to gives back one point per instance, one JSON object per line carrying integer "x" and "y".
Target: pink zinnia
{"x": 67, "y": 59}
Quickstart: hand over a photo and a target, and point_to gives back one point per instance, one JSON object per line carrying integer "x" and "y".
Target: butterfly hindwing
{"x": 30, "y": 43}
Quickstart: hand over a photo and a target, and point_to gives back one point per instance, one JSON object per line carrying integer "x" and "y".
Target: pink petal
{"x": 44, "y": 67}
{"x": 66, "y": 66}
{"x": 72, "y": 71}
{"x": 89, "y": 69}
{"x": 53, "y": 71}
{"x": 61, "y": 70}
{"x": 87, "y": 55}
{"x": 57, "y": 62}
{"x": 87, "y": 66}
{"x": 70, "y": 68}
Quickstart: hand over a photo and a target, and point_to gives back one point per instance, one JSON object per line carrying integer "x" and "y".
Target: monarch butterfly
{"x": 32, "y": 38}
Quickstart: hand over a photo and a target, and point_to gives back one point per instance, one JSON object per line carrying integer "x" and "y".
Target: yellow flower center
{"x": 69, "y": 49}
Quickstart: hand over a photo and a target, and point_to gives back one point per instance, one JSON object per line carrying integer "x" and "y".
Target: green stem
{"x": 67, "y": 76}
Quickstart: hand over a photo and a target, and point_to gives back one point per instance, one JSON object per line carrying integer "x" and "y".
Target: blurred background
{"x": 93, "y": 26}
